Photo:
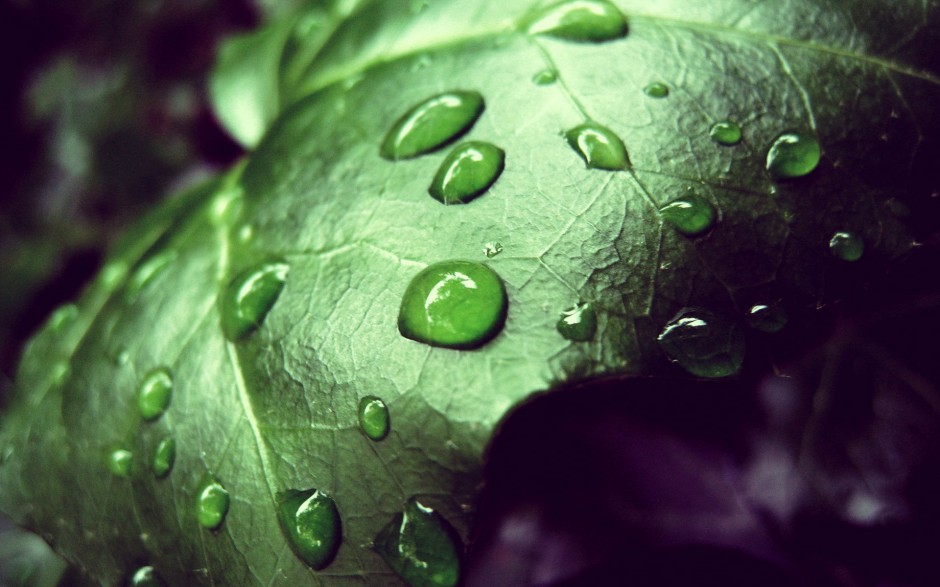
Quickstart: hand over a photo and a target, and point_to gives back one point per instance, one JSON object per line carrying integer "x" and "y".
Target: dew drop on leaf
{"x": 373, "y": 417}
{"x": 62, "y": 318}
{"x": 431, "y": 124}
{"x": 120, "y": 462}
{"x": 155, "y": 392}
{"x": 598, "y": 146}
{"x": 583, "y": 21}
{"x": 656, "y": 90}
{"x": 248, "y": 298}
{"x": 468, "y": 171}
{"x": 691, "y": 215}
{"x": 453, "y": 304}
{"x": 491, "y": 249}
{"x": 703, "y": 343}
{"x": 421, "y": 547}
{"x": 59, "y": 373}
{"x": 545, "y": 77}
{"x": 578, "y": 323}
{"x": 793, "y": 153}
{"x": 726, "y": 132}
{"x": 147, "y": 577}
{"x": 163, "y": 458}
{"x": 768, "y": 318}
{"x": 846, "y": 245}
{"x": 211, "y": 504}
{"x": 145, "y": 273}
{"x": 311, "y": 524}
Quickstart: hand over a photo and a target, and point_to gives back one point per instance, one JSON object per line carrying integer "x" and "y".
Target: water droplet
{"x": 145, "y": 273}
{"x": 598, "y": 146}
{"x": 578, "y": 323}
{"x": 226, "y": 206}
{"x": 847, "y": 246}
{"x": 120, "y": 462}
{"x": 421, "y": 547}
{"x": 453, "y": 304}
{"x": 212, "y": 504}
{"x": 432, "y": 124}
{"x": 59, "y": 373}
{"x": 583, "y": 21}
{"x": 112, "y": 274}
{"x": 768, "y": 318}
{"x": 164, "y": 458}
{"x": 703, "y": 343}
{"x": 147, "y": 577}
{"x": 656, "y": 90}
{"x": 468, "y": 171}
{"x": 155, "y": 392}
{"x": 249, "y": 297}
{"x": 63, "y": 316}
{"x": 691, "y": 215}
{"x": 373, "y": 417}
{"x": 245, "y": 233}
{"x": 491, "y": 249}
{"x": 545, "y": 77}
{"x": 793, "y": 154}
{"x": 311, "y": 523}
{"x": 726, "y": 132}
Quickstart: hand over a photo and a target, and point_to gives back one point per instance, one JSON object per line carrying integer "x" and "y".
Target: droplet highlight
{"x": 121, "y": 462}
{"x": 311, "y": 524}
{"x": 431, "y": 124}
{"x": 726, "y": 132}
{"x": 454, "y": 304}
{"x": 793, "y": 154}
{"x": 578, "y": 323}
{"x": 846, "y": 246}
{"x": 703, "y": 343}
{"x": 583, "y": 21}
{"x": 249, "y": 297}
{"x": 63, "y": 317}
{"x": 373, "y": 418}
{"x": 491, "y": 249}
{"x": 467, "y": 172}
{"x": 164, "y": 458}
{"x": 147, "y": 577}
{"x": 690, "y": 215}
{"x": 545, "y": 77}
{"x": 154, "y": 394}
{"x": 598, "y": 146}
{"x": 421, "y": 547}
{"x": 212, "y": 504}
{"x": 769, "y": 318}
{"x": 656, "y": 90}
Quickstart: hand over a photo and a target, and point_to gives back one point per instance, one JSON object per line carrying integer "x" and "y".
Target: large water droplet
{"x": 249, "y": 297}
{"x": 453, "y": 304}
{"x": 468, "y": 171}
{"x": 691, "y": 215}
{"x": 598, "y": 146}
{"x": 545, "y": 77}
{"x": 147, "y": 577}
{"x": 578, "y": 323}
{"x": 373, "y": 417}
{"x": 164, "y": 457}
{"x": 656, "y": 90}
{"x": 155, "y": 392}
{"x": 121, "y": 462}
{"x": 726, "y": 132}
{"x": 793, "y": 154}
{"x": 212, "y": 504}
{"x": 432, "y": 124}
{"x": 311, "y": 523}
{"x": 584, "y": 21}
{"x": 847, "y": 245}
{"x": 703, "y": 343}
{"x": 768, "y": 318}
{"x": 421, "y": 547}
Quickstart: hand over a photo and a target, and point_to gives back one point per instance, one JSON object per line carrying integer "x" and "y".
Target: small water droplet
{"x": 583, "y": 21}
{"x": 431, "y": 124}
{"x": 793, "y": 154}
{"x": 491, "y": 249}
{"x": 421, "y": 547}
{"x": 468, "y": 171}
{"x": 145, "y": 273}
{"x": 656, "y": 90}
{"x": 62, "y": 318}
{"x": 226, "y": 206}
{"x": 249, "y": 297}
{"x": 155, "y": 392}
{"x": 545, "y": 77}
{"x": 147, "y": 577}
{"x": 847, "y": 246}
{"x": 691, "y": 215}
{"x": 112, "y": 274}
{"x": 453, "y": 304}
{"x": 212, "y": 504}
{"x": 578, "y": 323}
{"x": 768, "y": 318}
{"x": 726, "y": 132}
{"x": 164, "y": 457}
{"x": 245, "y": 233}
{"x": 311, "y": 523}
{"x": 121, "y": 462}
{"x": 373, "y": 417}
{"x": 59, "y": 373}
{"x": 598, "y": 146}
{"x": 703, "y": 343}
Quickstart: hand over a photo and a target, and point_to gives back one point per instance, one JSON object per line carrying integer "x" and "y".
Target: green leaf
{"x": 274, "y": 408}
